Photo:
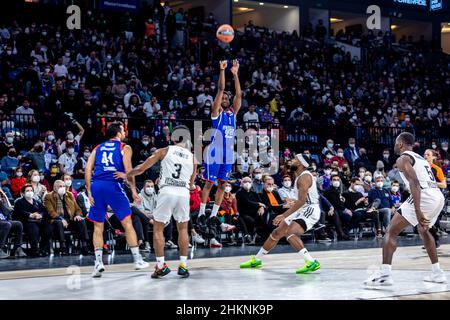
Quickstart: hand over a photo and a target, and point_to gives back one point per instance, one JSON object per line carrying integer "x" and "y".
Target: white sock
{"x": 261, "y": 253}
{"x": 135, "y": 253}
{"x": 160, "y": 262}
{"x": 305, "y": 255}
{"x": 435, "y": 267}
{"x": 214, "y": 211}
{"x": 183, "y": 260}
{"x": 386, "y": 269}
{"x": 201, "y": 212}
{"x": 98, "y": 255}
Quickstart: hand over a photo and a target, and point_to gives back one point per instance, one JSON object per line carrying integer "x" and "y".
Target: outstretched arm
{"x": 237, "y": 85}
{"x": 140, "y": 169}
{"x": 88, "y": 175}
{"x": 221, "y": 87}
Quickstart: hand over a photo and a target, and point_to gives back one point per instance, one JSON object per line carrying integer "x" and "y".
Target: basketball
{"x": 225, "y": 33}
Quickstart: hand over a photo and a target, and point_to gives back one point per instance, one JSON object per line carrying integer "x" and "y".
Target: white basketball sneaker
{"x": 379, "y": 279}
{"x": 98, "y": 269}
{"x": 140, "y": 264}
{"x": 436, "y": 277}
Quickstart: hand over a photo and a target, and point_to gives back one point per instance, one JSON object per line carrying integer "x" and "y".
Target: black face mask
{"x": 11, "y": 154}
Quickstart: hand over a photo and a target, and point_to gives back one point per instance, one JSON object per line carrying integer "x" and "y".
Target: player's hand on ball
{"x": 235, "y": 68}
{"x": 223, "y": 64}
{"x": 278, "y": 219}
{"x": 120, "y": 175}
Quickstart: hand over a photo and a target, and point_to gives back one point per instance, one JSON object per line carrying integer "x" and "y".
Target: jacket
{"x": 50, "y": 200}
{"x": 274, "y": 209}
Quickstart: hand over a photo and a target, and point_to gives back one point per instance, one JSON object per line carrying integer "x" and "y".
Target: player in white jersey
{"x": 177, "y": 177}
{"x": 298, "y": 219}
{"x": 421, "y": 209}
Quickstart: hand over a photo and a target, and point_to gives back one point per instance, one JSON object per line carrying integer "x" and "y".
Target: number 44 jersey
{"x": 176, "y": 169}
{"x": 108, "y": 159}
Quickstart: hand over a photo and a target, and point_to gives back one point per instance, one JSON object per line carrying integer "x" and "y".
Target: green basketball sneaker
{"x": 309, "y": 266}
{"x": 252, "y": 263}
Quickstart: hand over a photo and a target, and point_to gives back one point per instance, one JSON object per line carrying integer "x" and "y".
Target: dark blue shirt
{"x": 383, "y": 195}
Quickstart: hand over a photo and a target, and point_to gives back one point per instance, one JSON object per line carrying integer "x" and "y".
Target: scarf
{"x": 59, "y": 206}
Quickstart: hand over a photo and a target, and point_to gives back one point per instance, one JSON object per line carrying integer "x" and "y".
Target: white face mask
{"x": 71, "y": 150}
{"x": 19, "y": 174}
{"x": 394, "y": 189}
{"x": 359, "y": 189}
{"x": 340, "y": 154}
{"x": 330, "y": 145}
{"x": 87, "y": 154}
{"x": 145, "y": 142}
{"x": 362, "y": 174}
{"x": 36, "y": 178}
{"x": 352, "y": 145}
{"x": 368, "y": 179}
{"x": 62, "y": 191}
{"x": 258, "y": 176}
{"x": 29, "y": 195}
{"x": 380, "y": 184}
{"x": 336, "y": 184}
{"x": 68, "y": 183}
{"x": 329, "y": 156}
{"x": 327, "y": 172}
{"x": 51, "y": 137}
{"x": 228, "y": 189}
{"x": 10, "y": 140}
{"x": 287, "y": 184}
{"x": 149, "y": 190}
{"x": 269, "y": 189}
{"x": 247, "y": 186}
{"x": 70, "y": 136}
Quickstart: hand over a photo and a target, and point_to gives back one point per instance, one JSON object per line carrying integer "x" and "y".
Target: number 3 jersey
{"x": 108, "y": 159}
{"x": 177, "y": 168}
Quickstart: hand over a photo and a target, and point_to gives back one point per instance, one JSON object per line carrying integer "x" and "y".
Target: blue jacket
{"x": 8, "y": 163}
{"x": 383, "y": 195}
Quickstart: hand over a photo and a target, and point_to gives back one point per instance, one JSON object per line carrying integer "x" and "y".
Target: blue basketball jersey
{"x": 224, "y": 124}
{"x": 108, "y": 159}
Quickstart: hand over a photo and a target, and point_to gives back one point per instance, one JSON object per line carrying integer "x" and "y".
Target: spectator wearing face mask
{"x": 52, "y": 149}
{"x": 68, "y": 180}
{"x": 229, "y": 215}
{"x": 444, "y": 150}
{"x": 74, "y": 140}
{"x": 328, "y": 160}
{"x": 386, "y": 208}
{"x": 329, "y": 148}
{"x": 396, "y": 196}
{"x": 287, "y": 191}
{"x": 65, "y": 214}
{"x": 10, "y": 162}
{"x": 380, "y": 170}
{"x": 34, "y": 178}
{"x": 251, "y": 116}
{"x": 334, "y": 196}
{"x": 367, "y": 181}
{"x": 251, "y": 208}
{"x": 37, "y": 156}
{"x": 271, "y": 198}
{"x": 17, "y": 182}
{"x": 33, "y": 216}
{"x": 258, "y": 184}
{"x": 388, "y": 161}
{"x": 351, "y": 153}
{"x": 68, "y": 160}
{"x": 7, "y": 144}
{"x": 363, "y": 160}
{"x": 80, "y": 167}
{"x": 324, "y": 181}
{"x": 340, "y": 158}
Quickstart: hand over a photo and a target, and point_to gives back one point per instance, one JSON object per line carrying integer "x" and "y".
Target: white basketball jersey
{"x": 176, "y": 168}
{"x": 423, "y": 172}
{"x": 313, "y": 193}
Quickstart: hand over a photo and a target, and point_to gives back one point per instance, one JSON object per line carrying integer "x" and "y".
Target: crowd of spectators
{"x": 60, "y": 88}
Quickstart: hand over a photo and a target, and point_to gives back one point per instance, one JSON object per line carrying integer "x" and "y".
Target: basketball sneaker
{"x": 252, "y": 263}
{"x": 159, "y": 273}
{"x": 198, "y": 239}
{"x": 183, "y": 271}
{"x": 98, "y": 269}
{"x": 140, "y": 264}
{"x": 227, "y": 227}
{"x": 309, "y": 266}
{"x": 436, "y": 277}
{"x": 213, "y": 243}
{"x": 379, "y": 278}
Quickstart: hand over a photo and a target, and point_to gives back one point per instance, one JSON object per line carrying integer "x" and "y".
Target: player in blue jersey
{"x": 219, "y": 155}
{"x": 105, "y": 190}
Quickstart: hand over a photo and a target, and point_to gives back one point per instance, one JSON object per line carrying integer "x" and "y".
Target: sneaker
{"x": 252, "y": 263}
{"x": 379, "y": 234}
{"x": 98, "y": 269}
{"x": 198, "y": 239}
{"x": 309, "y": 266}
{"x": 3, "y": 254}
{"x": 140, "y": 264}
{"x": 159, "y": 273}
{"x": 225, "y": 227}
{"x": 171, "y": 245}
{"x": 436, "y": 277}
{"x": 324, "y": 239}
{"x": 147, "y": 246}
{"x": 183, "y": 271}
{"x": 248, "y": 238}
{"x": 379, "y": 279}
{"x": 19, "y": 253}
{"x": 214, "y": 243}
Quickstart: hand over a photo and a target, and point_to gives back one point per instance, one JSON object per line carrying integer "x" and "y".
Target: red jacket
{"x": 16, "y": 184}
{"x": 196, "y": 199}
